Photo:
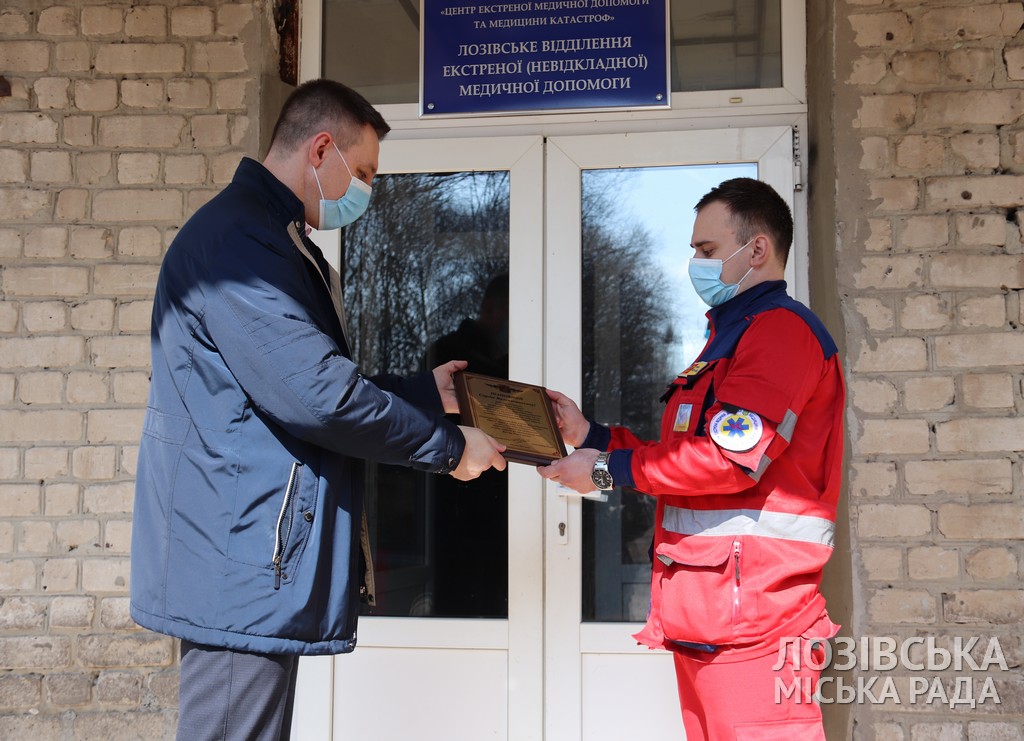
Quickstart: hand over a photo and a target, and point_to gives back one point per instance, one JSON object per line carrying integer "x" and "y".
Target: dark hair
{"x": 756, "y": 208}
{"x": 325, "y": 105}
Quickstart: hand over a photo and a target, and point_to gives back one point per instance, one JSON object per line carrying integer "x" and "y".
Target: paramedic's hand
{"x": 445, "y": 385}
{"x": 571, "y": 422}
{"x": 482, "y": 452}
{"x": 573, "y": 471}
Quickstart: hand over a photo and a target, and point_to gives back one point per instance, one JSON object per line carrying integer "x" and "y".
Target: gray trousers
{"x": 230, "y": 695}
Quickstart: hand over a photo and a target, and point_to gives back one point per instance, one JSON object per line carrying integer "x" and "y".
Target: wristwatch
{"x": 601, "y": 476}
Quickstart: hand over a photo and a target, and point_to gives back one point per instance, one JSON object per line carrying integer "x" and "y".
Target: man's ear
{"x": 761, "y": 250}
{"x": 318, "y": 146}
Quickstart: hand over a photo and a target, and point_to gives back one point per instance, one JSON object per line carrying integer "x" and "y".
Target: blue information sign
{"x": 555, "y": 55}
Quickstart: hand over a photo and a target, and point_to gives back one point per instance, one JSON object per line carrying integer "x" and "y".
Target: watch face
{"x": 602, "y": 479}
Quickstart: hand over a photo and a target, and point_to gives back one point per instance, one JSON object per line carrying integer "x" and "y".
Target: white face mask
{"x": 706, "y": 276}
{"x": 348, "y": 208}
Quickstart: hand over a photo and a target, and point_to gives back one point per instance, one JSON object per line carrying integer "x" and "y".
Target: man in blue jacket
{"x": 249, "y": 539}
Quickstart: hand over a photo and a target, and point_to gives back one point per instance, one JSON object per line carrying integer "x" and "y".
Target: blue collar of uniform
{"x": 751, "y": 301}
{"x": 281, "y": 202}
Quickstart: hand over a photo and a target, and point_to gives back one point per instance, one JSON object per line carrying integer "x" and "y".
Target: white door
{"x": 592, "y": 226}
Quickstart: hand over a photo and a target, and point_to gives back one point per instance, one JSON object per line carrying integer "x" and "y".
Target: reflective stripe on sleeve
{"x": 802, "y": 528}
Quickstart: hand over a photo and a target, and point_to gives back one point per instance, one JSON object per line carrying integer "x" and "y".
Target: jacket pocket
{"x": 285, "y": 520}
{"x": 702, "y": 589}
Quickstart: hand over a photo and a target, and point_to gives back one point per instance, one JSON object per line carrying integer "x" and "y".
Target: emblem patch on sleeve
{"x": 737, "y": 431}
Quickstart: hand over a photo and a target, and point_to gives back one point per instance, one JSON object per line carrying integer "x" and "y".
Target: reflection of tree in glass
{"x": 627, "y": 342}
{"x": 417, "y": 263}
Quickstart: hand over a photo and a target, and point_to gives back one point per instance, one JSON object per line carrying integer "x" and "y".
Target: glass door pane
{"x": 426, "y": 271}
{"x": 642, "y": 324}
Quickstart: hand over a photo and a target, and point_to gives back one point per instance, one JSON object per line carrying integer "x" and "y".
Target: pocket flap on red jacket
{"x": 697, "y": 551}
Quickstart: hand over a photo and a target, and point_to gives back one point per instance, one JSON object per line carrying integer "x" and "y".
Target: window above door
{"x": 739, "y": 49}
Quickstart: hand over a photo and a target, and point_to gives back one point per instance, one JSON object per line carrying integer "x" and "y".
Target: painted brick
{"x": 218, "y": 57}
{"x": 873, "y": 396}
{"x": 902, "y": 606}
{"x": 146, "y": 21}
{"x": 976, "y": 522}
{"x": 36, "y": 427}
{"x": 29, "y": 652}
{"x": 982, "y": 311}
{"x": 970, "y": 107}
{"x": 933, "y": 563}
{"x": 959, "y": 477}
{"x": 233, "y": 18}
{"x": 882, "y": 564}
{"x": 978, "y": 271}
{"x": 95, "y": 95}
{"x": 43, "y": 463}
{"x": 137, "y": 59}
{"x": 46, "y": 242}
{"x": 873, "y": 479}
{"x": 102, "y": 20}
{"x": 890, "y": 29}
{"x": 981, "y": 229}
{"x": 896, "y": 354}
{"x": 970, "y": 22}
{"x": 918, "y": 67}
{"x": 140, "y": 649}
{"x": 51, "y": 92}
{"x": 105, "y": 575}
{"x": 877, "y": 314}
{"x": 114, "y": 425}
{"x": 68, "y": 690}
{"x": 928, "y": 394}
{"x": 895, "y": 194}
{"x": 893, "y": 520}
{"x": 970, "y": 66}
{"x": 192, "y": 20}
{"x": 57, "y": 20}
{"x": 991, "y": 606}
{"x": 72, "y": 56}
{"x": 921, "y": 152}
{"x": 120, "y": 352}
{"x": 1006, "y": 191}
{"x": 85, "y": 387}
{"x": 138, "y": 168}
{"x": 137, "y": 205}
{"x": 886, "y": 111}
{"x": 124, "y": 280}
{"x": 72, "y": 612}
{"x": 988, "y": 391}
{"x": 892, "y": 437}
{"x": 143, "y": 93}
{"x": 980, "y": 435}
{"x": 890, "y": 272}
{"x": 974, "y": 350}
{"x": 27, "y": 128}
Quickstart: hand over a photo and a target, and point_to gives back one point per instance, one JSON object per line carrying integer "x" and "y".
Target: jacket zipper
{"x": 736, "y": 548}
{"x": 281, "y": 538}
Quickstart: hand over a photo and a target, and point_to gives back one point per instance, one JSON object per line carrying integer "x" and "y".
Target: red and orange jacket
{"x": 747, "y": 473}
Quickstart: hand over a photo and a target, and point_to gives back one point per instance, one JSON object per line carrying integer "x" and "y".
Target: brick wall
{"x": 929, "y": 146}
{"x": 123, "y": 119}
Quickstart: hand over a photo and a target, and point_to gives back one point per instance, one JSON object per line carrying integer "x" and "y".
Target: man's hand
{"x": 573, "y": 471}
{"x": 445, "y": 385}
{"x": 571, "y": 422}
{"x": 482, "y": 452}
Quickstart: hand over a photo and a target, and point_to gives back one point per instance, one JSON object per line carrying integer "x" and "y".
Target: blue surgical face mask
{"x": 706, "y": 276}
{"x": 348, "y": 208}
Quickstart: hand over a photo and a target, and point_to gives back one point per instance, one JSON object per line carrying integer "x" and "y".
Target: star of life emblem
{"x": 737, "y": 431}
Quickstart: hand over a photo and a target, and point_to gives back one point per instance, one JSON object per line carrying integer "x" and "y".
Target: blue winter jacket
{"x": 248, "y": 500}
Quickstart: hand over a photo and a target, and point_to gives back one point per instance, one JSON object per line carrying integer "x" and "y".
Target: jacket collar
{"x": 751, "y": 301}
{"x": 282, "y": 204}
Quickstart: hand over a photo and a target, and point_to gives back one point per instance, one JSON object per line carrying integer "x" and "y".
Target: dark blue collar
{"x": 281, "y": 202}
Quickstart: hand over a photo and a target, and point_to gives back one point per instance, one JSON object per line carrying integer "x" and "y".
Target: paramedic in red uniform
{"x": 747, "y": 474}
